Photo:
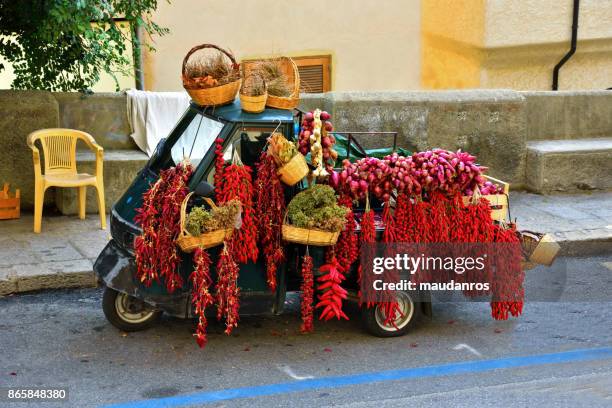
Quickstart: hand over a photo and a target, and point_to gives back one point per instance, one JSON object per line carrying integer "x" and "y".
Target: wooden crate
{"x": 499, "y": 202}
{"x": 9, "y": 205}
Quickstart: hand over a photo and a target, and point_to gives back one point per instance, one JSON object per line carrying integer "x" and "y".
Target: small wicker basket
{"x": 294, "y": 171}
{"x": 211, "y": 96}
{"x": 539, "y": 248}
{"x": 254, "y": 104}
{"x": 292, "y": 74}
{"x": 188, "y": 243}
{"x": 307, "y": 236}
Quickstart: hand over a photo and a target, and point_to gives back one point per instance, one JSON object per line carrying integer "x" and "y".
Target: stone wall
{"x": 493, "y": 124}
{"x": 568, "y": 115}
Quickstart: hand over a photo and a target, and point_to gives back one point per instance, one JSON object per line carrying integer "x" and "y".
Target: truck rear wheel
{"x": 373, "y": 318}
{"x": 126, "y": 312}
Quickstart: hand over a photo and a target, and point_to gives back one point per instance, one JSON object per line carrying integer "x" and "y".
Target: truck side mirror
{"x": 204, "y": 189}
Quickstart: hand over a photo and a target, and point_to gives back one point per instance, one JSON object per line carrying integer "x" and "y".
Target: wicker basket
{"x": 294, "y": 171}
{"x": 307, "y": 236}
{"x": 539, "y": 248}
{"x": 211, "y": 96}
{"x": 188, "y": 243}
{"x": 254, "y": 104}
{"x": 293, "y": 77}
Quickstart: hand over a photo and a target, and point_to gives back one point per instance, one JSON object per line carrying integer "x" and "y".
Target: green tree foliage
{"x": 64, "y": 45}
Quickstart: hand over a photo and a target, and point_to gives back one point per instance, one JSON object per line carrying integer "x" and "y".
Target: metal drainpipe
{"x": 137, "y": 55}
{"x": 566, "y": 57}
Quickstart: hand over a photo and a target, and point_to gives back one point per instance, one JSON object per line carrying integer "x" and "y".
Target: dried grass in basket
{"x": 307, "y": 236}
{"x": 212, "y": 81}
{"x": 253, "y": 94}
{"x": 280, "y": 74}
{"x": 188, "y": 243}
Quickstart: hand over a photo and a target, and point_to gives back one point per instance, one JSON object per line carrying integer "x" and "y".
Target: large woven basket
{"x": 294, "y": 171}
{"x": 292, "y": 74}
{"x": 188, "y": 243}
{"x": 253, "y": 104}
{"x": 211, "y": 96}
{"x": 307, "y": 236}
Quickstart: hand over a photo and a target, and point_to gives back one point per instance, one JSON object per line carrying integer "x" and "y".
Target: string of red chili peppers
{"x": 228, "y": 292}
{"x": 449, "y": 220}
{"x": 237, "y": 183}
{"x": 347, "y": 248}
{"x": 507, "y": 291}
{"x": 307, "y": 295}
{"x": 155, "y": 251}
{"x": 201, "y": 296}
{"x": 270, "y": 205}
{"x": 368, "y": 239}
{"x": 389, "y": 302}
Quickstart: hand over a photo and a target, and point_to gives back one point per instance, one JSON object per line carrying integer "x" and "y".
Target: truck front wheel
{"x": 126, "y": 312}
{"x": 373, "y": 318}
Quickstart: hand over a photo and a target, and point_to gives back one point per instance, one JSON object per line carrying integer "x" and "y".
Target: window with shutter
{"x": 315, "y": 73}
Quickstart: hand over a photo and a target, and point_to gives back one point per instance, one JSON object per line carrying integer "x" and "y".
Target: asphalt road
{"x": 61, "y": 338}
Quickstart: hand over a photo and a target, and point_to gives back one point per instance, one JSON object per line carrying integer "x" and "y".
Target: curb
{"x": 585, "y": 242}
{"x": 75, "y": 279}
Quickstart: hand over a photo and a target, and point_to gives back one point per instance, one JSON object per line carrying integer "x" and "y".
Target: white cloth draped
{"x": 152, "y": 115}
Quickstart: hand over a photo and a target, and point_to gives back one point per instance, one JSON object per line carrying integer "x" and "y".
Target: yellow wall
{"x": 374, "y": 44}
{"x": 514, "y": 44}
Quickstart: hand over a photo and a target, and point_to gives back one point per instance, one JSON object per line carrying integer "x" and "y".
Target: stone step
{"x": 569, "y": 165}
{"x": 120, "y": 168}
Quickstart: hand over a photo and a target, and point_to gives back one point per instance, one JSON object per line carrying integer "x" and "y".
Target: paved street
{"x": 61, "y": 338}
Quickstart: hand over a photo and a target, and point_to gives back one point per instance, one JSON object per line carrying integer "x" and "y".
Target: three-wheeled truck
{"x": 131, "y": 306}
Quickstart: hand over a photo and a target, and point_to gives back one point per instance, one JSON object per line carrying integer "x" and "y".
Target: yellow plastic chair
{"x": 59, "y": 150}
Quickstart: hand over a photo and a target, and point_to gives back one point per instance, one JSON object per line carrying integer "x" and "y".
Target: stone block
{"x": 103, "y": 115}
{"x": 569, "y": 165}
{"x": 554, "y": 115}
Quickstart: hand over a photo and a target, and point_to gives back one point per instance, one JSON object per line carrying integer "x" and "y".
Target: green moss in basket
{"x": 200, "y": 220}
{"x": 317, "y": 208}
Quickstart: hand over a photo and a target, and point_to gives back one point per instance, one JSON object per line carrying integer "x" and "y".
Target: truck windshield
{"x": 196, "y": 139}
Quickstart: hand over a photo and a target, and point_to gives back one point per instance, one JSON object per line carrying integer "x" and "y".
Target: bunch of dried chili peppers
{"x": 270, "y": 205}
{"x": 159, "y": 215}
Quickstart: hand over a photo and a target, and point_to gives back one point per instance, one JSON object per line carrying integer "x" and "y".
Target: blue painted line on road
{"x": 464, "y": 367}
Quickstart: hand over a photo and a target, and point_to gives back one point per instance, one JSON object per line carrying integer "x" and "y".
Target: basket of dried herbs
{"x": 282, "y": 78}
{"x": 212, "y": 79}
{"x": 314, "y": 217}
{"x": 203, "y": 228}
{"x": 253, "y": 93}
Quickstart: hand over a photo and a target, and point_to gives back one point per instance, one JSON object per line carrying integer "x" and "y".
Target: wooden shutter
{"x": 315, "y": 73}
